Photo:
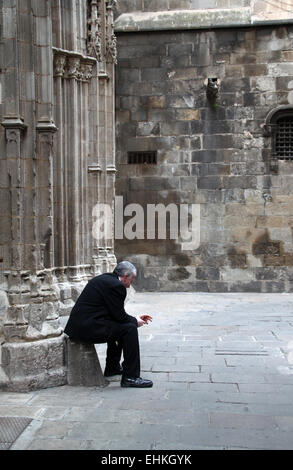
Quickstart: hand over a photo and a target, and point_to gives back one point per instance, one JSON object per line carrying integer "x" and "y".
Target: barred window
{"x": 141, "y": 158}
{"x": 284, "y": 138}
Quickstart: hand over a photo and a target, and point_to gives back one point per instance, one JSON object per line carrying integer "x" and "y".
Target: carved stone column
{"x": 15, "y": 323}
{"x": 111, "y": 61}
{"x": 102, "y": 46}
{"x": 57, "y": 148}
{"x": 33, "y": 349}
{"x": 94, "y": 45}
{"x": 111, "y": 42}
{"x": 73, "y": 74}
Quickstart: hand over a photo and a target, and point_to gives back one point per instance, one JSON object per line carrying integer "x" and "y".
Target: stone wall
{"x": 258, "y": 10}
{"x": 213, "y": 153}
{"x": 57, "y": 161}
{"x": 128, "y": 6}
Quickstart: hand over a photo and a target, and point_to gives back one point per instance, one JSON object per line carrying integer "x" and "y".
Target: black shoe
{"x": 109, "y": 372}
{"x": 135, "y": 382}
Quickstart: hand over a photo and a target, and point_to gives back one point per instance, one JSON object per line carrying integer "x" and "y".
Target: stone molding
{"x": 94, "y": 169}
{"x": 46, "y": 125}
{"x": 74, "y": 65}
{"x": 111, "y": 42}
{"x": 103, "y": 76}
{"x": 101, "y": 38}
{"x": 94, "y": 46}
{"x": 111, "y": 169}
{"x": 190, "y": 19}
{"x": 13, "y": 122}
{"x": 14, "y": 128}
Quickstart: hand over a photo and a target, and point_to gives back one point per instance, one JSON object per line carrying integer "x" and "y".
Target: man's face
{"x": 127, "y": 280}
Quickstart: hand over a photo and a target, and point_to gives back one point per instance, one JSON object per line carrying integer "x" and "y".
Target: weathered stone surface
{"x": 57, "y": 163}
{"x": 83, "y": 365}
{"x": 33, "y": 365}
{"x": 128, "y": 6}
{"x": 226, "y": 157}
{"x": 182, "y": 19}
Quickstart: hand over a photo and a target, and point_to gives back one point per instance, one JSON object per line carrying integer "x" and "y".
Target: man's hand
{"x": 143, "y": 319}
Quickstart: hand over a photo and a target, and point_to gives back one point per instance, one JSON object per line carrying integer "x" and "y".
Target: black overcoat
{"x": 100, "y": 303}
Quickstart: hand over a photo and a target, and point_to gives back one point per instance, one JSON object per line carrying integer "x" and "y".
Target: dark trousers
{"x": 123, "y": 338}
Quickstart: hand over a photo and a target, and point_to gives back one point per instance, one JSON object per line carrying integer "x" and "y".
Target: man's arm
{"x": 143, "y": 320}
{"x": 114, "y": 300}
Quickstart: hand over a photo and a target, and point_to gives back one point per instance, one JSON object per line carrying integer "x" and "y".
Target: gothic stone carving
{"x": 78, "y": 67}
{"x": 111, "y": 47}
{"x": 101, "y": 38}
{"x": 111, "y": 43}
{"x": 94, "y": 47}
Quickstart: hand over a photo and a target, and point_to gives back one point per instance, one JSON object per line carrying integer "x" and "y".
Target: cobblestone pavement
{"x": 222, "y": 367}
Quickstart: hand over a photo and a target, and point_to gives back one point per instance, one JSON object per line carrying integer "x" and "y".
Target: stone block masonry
{"x": 57, "y": 162}
{"x": 212, "y": 152}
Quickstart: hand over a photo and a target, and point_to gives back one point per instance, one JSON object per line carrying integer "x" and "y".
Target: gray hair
{"x": 125, "y": 267}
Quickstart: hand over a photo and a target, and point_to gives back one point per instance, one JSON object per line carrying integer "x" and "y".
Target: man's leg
{"x": 113, "y": 358}
{"x": 131, "y": 365}
{"x": 131, "y": 353}
{"x": 126, "y": 335}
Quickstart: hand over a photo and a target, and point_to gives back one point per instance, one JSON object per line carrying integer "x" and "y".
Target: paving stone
{"x": 54, "y": 429}
{"x": 285, "y": 423}
{"x": 118, "y": 444}
{"x": 266, "y": 388}
{"x": 216, "y": 387}
{"x": 234, "y": 421}
{"x": 231, "y": 377}
{"x": 176, "y": 368}
{"x": 178, "y": 417}
{"x": 102, "y": 415}
{"x": 239, "y": 395}
{"x": 188, "y": 377}
{"x": 254, "y": 439}
{"x": 16, "y": 398}
{"x": 18, "y": 410}
{"x": 276, "y": 399}
{"x": 57, "y": 444}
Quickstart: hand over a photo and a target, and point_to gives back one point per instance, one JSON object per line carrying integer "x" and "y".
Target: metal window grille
{"x": 284, "y": 138}
{"x": 140, "y": 158}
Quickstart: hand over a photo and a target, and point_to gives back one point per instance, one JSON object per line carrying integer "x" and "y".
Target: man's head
{"x": 126, "y": 272}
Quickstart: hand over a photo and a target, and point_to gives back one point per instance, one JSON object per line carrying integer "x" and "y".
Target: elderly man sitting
{"x": 99, "y": 317}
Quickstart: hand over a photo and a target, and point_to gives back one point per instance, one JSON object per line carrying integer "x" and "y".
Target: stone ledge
{"x": 190, "y": 19}
{"x": 27, "y": 366}
{"x": 182, "y": 19}
{"x": 83, "y": 365}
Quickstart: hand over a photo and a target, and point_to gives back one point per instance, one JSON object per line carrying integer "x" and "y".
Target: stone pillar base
{"x": 28, "y": 366}
{"x": 83, "y": 365}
